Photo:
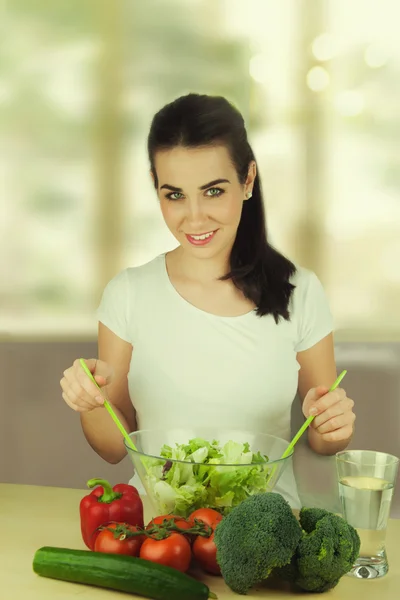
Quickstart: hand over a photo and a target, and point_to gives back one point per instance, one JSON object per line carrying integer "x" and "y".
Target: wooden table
{"x": 31, "y": 517}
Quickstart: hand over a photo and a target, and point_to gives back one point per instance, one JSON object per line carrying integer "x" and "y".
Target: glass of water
{"x": 366, "y": 487}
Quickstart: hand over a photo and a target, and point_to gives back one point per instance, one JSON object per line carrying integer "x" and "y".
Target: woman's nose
{"x": 195, "y": 211}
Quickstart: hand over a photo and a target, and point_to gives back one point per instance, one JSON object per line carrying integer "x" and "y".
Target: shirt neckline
{"x": 189, "y": 305}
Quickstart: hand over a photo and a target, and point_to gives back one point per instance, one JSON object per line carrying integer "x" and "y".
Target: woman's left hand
{"x": 335, "y": 417}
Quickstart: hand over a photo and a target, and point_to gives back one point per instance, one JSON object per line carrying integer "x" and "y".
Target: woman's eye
{"x": 174, "y": 196}
{"x": 215, "y": 192}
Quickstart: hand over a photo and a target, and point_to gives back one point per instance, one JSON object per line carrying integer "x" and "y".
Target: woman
{"x": 222, "y": 330}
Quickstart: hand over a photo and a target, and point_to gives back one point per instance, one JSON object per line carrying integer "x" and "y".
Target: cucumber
{"x": 118, "y": 572}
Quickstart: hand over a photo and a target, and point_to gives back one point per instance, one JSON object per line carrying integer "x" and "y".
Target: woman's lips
{"x": 201, "y": 239}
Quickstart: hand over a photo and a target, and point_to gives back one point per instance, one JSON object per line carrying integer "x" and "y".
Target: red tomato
{"x": 209, "y": 516}
{"x": 108, "y": 543}
{"x": 205, "y": 552}
{"x": 179, "y": 521}
{"x": 173, "y": 551}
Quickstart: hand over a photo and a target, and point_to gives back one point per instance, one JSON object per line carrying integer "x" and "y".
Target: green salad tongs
{"x": 108, "y": 406}
{"x": 309, "y": 420}
{"x": 303, "y": 428}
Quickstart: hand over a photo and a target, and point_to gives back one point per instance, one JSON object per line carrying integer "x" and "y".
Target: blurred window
{"x": 318, "y": 84}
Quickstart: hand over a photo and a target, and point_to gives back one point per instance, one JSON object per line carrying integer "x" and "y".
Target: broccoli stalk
{"x": 327, "y": 551}
{"x": 257, "y": 536}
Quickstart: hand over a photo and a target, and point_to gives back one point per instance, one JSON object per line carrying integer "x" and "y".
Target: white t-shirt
{"x": 189, "y": 366}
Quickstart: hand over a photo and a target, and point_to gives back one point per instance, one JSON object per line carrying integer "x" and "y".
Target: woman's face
{"x": 201, "y": 198}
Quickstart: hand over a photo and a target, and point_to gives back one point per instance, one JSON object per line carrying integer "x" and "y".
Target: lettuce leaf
{"x": 207, "y": 475}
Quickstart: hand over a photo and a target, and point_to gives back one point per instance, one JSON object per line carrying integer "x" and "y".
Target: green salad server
{"x": 305, "y": 425}
{"x": 310, "y": 419}
{"x": 108, "y": 406}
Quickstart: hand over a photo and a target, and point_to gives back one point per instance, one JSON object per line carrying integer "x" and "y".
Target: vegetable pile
{"x": 258, "y": 539}
{"x": 112, "y": 522}
{"x": 168, "y": 540}
{"x": 125, "y": 555}
{"x": 104, "y": 504}
{"x": 262, "y": 538}
{"x": 210, "y": 477}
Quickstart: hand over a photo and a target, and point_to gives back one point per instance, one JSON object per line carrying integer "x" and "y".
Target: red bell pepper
{"x": 121, "y": 503}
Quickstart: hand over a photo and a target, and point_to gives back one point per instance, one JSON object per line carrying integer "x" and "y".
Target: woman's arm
{"x": 100, "y": 430}
{"x": 333, "y": 427}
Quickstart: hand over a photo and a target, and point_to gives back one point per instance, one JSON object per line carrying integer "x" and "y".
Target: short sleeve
{"x": 113, "y": 310}
{"x": 312, "y": 312}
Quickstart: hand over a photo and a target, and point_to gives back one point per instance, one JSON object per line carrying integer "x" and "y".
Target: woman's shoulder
{"x": 310, "y": 309}
{"x": 304, "y": 279}
{"x": 121, "y": 294}
{"x": 302, "y": 276}
{"x": 308, "y": 288}
{"x": 150, "y": 271}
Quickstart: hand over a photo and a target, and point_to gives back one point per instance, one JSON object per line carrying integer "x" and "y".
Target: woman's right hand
{"x": 79, "y": 391}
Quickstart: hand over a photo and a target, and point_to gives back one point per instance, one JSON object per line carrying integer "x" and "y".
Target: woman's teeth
{"x": 202, "y": 237}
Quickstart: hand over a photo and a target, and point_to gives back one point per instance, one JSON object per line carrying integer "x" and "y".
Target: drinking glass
{"x": 366, "y": 486}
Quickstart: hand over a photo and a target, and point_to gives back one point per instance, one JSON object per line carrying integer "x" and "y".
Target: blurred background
{"x": 318, "y": 82}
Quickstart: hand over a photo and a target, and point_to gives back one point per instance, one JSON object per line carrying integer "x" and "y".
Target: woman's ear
{"x": 251, "y": 175}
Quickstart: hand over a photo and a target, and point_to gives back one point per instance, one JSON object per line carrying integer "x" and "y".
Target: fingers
{"x": 333, "y": 412}
{"x": 78, "y": 375}
{"x": 101, "y": 381}
{"x": 335, "y": 418}
{"x": 98, "y": 368}
{"x": 328, "y": 400}
{"x": 337, "y": 422}
{"x": 78, "y": 390}
{"x": 74, "y": 406}
{"x": 76, "y": 397}
{"x": 344, "y": 433}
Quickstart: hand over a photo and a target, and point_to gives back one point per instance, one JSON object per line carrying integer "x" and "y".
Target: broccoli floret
{"x": 327, "y": 551}
{"x": 258, "y": 535}
{"x": 309, "y": 517}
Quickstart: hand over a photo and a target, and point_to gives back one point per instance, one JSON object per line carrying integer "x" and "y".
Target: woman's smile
{"x": 201, "y": 239}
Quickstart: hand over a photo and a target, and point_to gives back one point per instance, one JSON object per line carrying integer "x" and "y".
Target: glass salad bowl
{"x": 186, "y": 469}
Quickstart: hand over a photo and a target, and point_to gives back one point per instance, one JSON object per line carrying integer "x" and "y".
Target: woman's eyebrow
{"x": 167, "y": 186}
{"x": 215, "y": 182}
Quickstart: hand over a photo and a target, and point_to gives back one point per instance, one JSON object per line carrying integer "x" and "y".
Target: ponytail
{"x": 256, "y": 268}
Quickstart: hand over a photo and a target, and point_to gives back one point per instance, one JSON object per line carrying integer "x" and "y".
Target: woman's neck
{"x": 202, "y": 270}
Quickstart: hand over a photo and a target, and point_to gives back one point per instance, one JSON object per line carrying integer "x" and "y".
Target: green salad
{"x": 213, "y": 481}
